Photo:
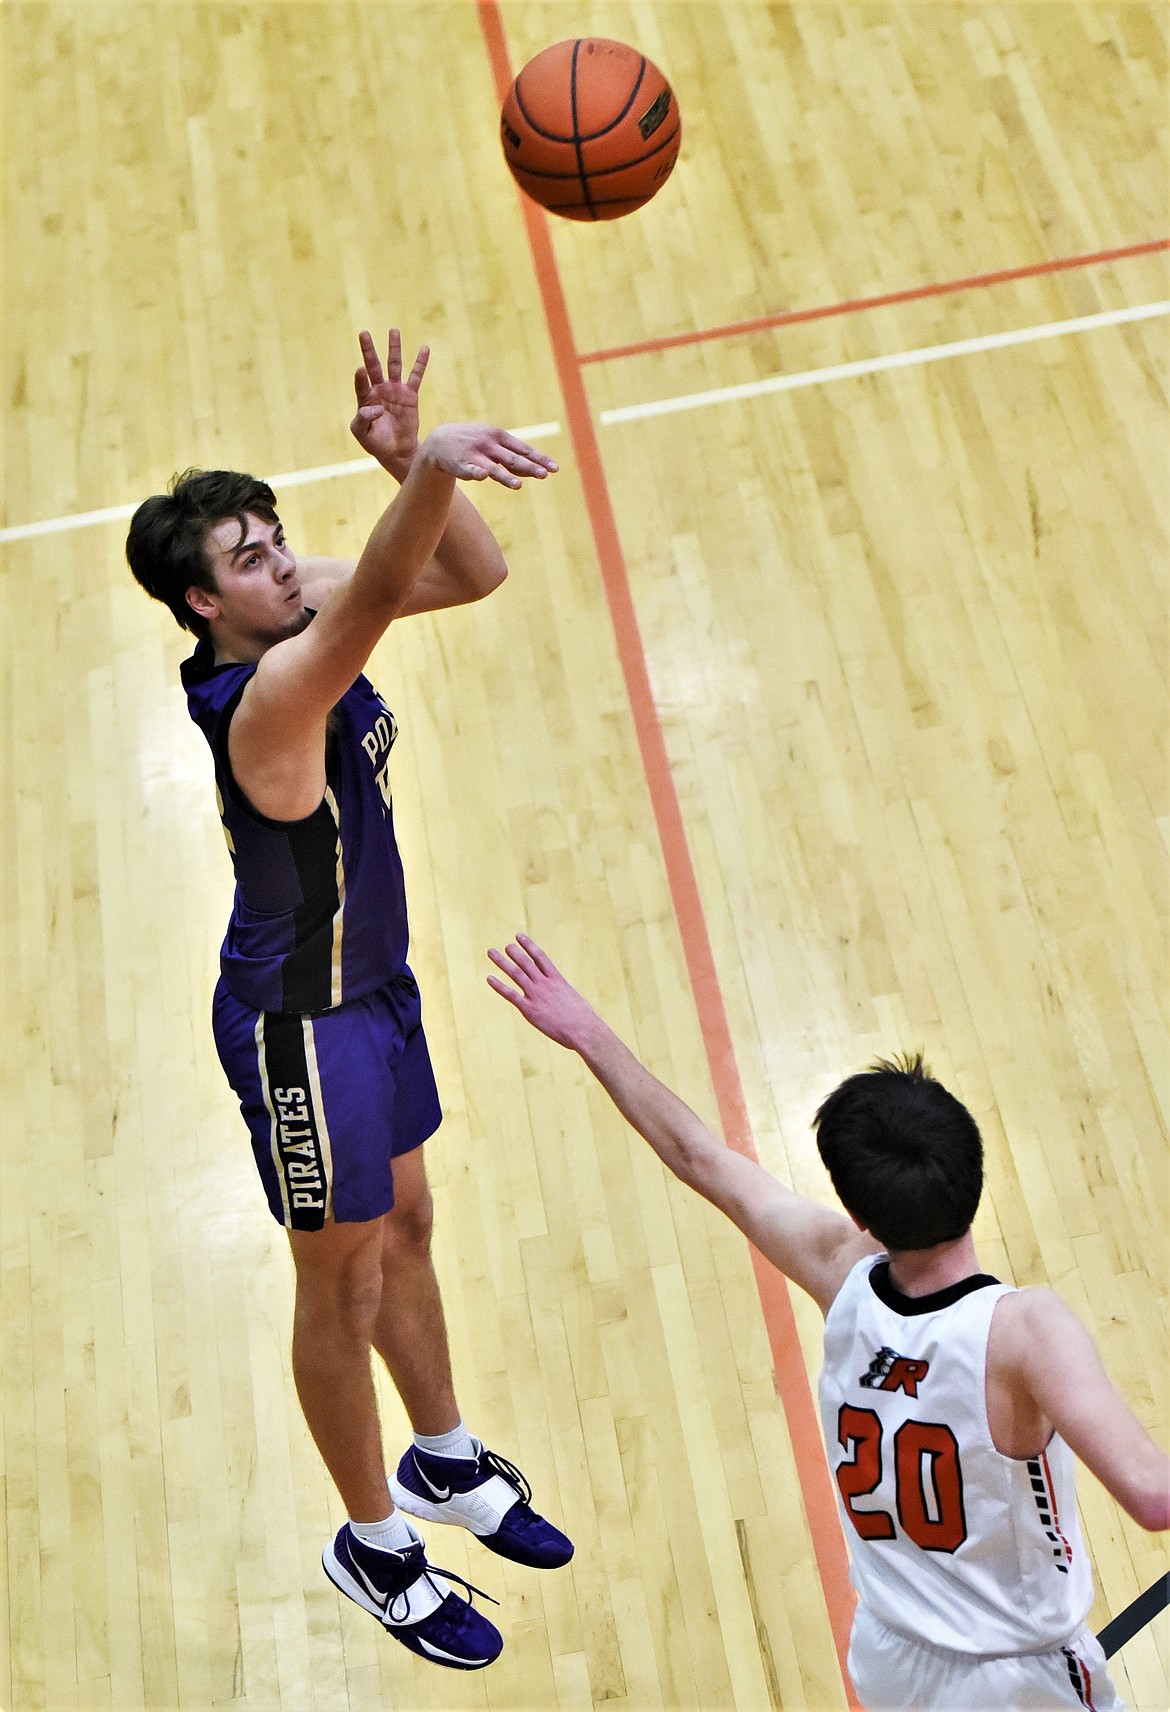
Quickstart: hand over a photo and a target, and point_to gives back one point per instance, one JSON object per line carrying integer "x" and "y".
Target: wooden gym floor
{"x": 810, "y": 724}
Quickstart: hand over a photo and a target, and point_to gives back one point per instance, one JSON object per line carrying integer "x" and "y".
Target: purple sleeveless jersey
{"x": 319, "y": 915}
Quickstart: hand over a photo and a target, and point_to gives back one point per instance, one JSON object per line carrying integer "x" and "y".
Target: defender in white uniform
{"x": 972, "y": 1578}
{"x": 952, "y": 1404}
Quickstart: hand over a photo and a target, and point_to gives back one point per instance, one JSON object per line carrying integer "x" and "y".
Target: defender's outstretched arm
{"x": 812, "y": 1245}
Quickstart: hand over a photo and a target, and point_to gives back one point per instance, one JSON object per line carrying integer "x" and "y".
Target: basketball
{"x": 590, "y": 129}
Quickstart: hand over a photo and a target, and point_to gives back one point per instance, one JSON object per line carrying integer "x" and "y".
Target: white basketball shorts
{"x": 893, "y": 1673}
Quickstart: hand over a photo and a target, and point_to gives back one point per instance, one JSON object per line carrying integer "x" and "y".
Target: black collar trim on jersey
{"x": 888, "y": 1292}
{"x": 199, "y": 666}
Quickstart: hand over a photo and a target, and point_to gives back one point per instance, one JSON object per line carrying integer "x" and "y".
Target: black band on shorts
{"x": 300, "y": 1147}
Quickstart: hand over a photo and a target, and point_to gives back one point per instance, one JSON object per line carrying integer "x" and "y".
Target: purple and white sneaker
{"x": 488, "y": 1495}
{"x": 413, "y": 1601}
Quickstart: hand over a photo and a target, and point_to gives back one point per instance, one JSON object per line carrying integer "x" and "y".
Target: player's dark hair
{"x": 166, "y": 544}
{"x": 905, "y": 1156}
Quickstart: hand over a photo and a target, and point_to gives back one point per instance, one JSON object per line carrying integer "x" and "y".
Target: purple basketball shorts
{"x": 330, "y": 1098}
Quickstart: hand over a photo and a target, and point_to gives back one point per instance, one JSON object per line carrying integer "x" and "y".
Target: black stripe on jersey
{"x": 307, "y": 973}
{"x": 888, "y": 1292}
{"x": 299, "y": 1156}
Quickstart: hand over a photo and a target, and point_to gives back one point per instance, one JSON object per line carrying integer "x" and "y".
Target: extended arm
{"x": 1051, "y": 1377}
{"x": 810, "y": 1244}
{"x": 467, "y": 563}
{"x": 276, "y": 742}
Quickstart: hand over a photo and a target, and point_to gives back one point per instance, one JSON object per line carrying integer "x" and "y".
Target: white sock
{"x": 393, "y": 1534}
{"x": 427, "y": 1592}
{"x": 458, "y": 1442}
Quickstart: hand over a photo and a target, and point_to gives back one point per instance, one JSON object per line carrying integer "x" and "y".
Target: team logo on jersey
{"x": 889, "y": 1371}
{"x": 378, "y": 743}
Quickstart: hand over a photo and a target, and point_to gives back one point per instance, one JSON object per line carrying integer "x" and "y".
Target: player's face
{"x": 257, "y": 591}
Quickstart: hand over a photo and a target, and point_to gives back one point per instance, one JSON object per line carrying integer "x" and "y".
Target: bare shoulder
{"x": 1034, "y": 1328}
{"x": 1033, "y": 1310}
{"x": 1028, "y": 1313}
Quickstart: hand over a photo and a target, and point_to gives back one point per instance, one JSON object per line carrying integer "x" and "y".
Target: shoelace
{"x": 500, "y": 1465}
{"x": 429, "y": 1571}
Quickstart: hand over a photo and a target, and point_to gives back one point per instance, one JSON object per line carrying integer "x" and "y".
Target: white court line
{"x": 687, "y": 401}
{"x": 875, "y": 365}
{"x": 291, "y": 478}
{"x": 76, "y": 520}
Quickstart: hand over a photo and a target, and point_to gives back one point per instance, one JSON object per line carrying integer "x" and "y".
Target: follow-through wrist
{"x": 399, "y": 468}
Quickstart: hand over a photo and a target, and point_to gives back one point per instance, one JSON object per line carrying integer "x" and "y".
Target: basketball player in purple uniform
{"x": 951, "y": 1404}
{"x": 316, "y": 1016}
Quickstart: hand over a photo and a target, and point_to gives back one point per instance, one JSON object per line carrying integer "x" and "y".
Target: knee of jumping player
{"x": 410, "y": 1223}
{"x": 341, "y": 1298}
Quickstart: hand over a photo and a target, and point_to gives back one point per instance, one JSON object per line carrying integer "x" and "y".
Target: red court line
{"x": 791, "y": 1374}
{"x": 823, "y": 312}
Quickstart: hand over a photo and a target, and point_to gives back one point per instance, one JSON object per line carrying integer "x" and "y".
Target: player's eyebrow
{"x": 247, "y": 547}
{"x": 255, "y": 546}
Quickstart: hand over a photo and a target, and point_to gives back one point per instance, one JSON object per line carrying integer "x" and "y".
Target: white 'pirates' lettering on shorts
{"x": 302, "y": 1156}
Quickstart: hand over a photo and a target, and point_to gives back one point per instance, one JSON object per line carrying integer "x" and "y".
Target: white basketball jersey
{"x": 950, "y": 1541}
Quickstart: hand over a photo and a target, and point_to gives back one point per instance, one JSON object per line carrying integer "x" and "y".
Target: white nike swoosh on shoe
{"x": 437, "y": 1652}
{"x": 379, "y": 1597}
{"x": 442, "y": 1493}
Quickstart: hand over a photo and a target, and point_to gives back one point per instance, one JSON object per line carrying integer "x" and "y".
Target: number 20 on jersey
{"x": 928, "y": 1481}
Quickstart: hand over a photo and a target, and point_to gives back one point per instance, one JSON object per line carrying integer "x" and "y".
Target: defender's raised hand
{"x": 475, "y": 451}
{"x": 386, "y": 423}
{"x": 541, "y": 994}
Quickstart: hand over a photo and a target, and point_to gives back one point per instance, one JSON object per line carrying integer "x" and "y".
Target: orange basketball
{"x": 590, "y": 129}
